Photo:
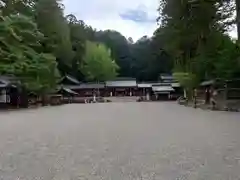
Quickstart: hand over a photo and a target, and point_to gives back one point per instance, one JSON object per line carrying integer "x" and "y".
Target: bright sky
{"x": 132, "y": 18}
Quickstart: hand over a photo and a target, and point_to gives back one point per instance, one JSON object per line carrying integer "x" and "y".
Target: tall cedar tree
{"x": 52, "y": 23}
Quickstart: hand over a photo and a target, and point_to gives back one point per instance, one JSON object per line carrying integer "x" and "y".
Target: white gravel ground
{"x": 119, "y": 141}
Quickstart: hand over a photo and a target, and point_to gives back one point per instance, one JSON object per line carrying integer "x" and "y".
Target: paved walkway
{"x": 120, "y": 141}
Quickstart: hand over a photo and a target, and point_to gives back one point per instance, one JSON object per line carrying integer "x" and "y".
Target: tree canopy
{"x": 194, "y": 32}
{"x": 97, "y": 63}
{"x": 39, "y": 44}
{"x": 52, "y": 23}
{"x": 21, "y": 54}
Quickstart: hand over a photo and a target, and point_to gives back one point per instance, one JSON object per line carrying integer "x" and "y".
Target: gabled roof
{"x": 6, "y": 81}
{"x": 166, "y": 77}
{"x": 69, "y": 91}
{"x": 71, "y": 79}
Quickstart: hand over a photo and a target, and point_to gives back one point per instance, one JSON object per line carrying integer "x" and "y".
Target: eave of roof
{"x": 124, "y": 83}
{"x": 162, "y": 88}
{"x": 144, "y": 85}
{"x": 207, "y": 83}
{"x": 86, "y": 86}
{"x": 69, "y": 91}
{"x": 72, "y": 79}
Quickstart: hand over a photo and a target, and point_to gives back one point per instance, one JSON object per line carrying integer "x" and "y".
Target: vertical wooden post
{"x": 225, "y": 94}
{"x": 195, "y": 98}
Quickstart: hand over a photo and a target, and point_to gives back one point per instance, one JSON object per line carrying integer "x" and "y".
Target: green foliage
{"x": 36, "y": 39}
{"x": 194, "y": 34}
{"x": 144, "y": 59}
{"x": 35, "y": 35}
{"x": 24, "y": 7}
{"x": 187, "y": 80}
{"x": 19, "y": 37}
{"x": 226, "y": 62}
{"x": 79, "y": 34}
{"x": 51, "y": 22}
{"x": 149, "y": 59}
{"x": 120, "y": 49}
{"x": 97, "y": 64}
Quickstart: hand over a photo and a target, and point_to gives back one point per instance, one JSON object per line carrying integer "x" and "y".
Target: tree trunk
{"x": 23, "y": 98}
{"x": 44, "y": 100}
{"x": 238, "y": 17}
{"x": 185, "y": 93}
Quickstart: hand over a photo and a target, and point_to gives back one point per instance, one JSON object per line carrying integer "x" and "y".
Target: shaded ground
{"x": 120, "y": 141}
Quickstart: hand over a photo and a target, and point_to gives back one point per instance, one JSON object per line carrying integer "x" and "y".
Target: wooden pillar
{"x": 225, "y": 92}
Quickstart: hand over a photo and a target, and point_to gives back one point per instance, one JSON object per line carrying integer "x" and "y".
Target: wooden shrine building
{"x": 121, "y": 87}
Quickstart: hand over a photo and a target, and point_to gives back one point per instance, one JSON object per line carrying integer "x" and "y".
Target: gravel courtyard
{"x": 119, "y": 141}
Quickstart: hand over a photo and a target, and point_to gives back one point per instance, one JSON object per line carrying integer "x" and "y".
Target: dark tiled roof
{"x": 121, "y": 83}
{"x": 124, "y": 79}
{"x": 162, "y": 88}
{"x": 166, "y": 76}
{"x": 3, "y": 85}
{"x": 161, "y": 84}
{"x": 72, "y": 79}
{"x": 207, "y": 83}
{"x": 144, "y": 85}
{"x": 86, "y": 86}
{"x": 6, "y": 81}
{"x": 153, "y": 84}
{"x": 176, "y": 84}
{"x": 69, "y": 91}
{"x": 92, "y": 85}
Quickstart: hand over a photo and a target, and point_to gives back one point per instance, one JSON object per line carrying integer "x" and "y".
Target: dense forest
{"x": 144, "y": 59}
{"x": 39, "y": 44}
{"x": 195, "y": 33}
